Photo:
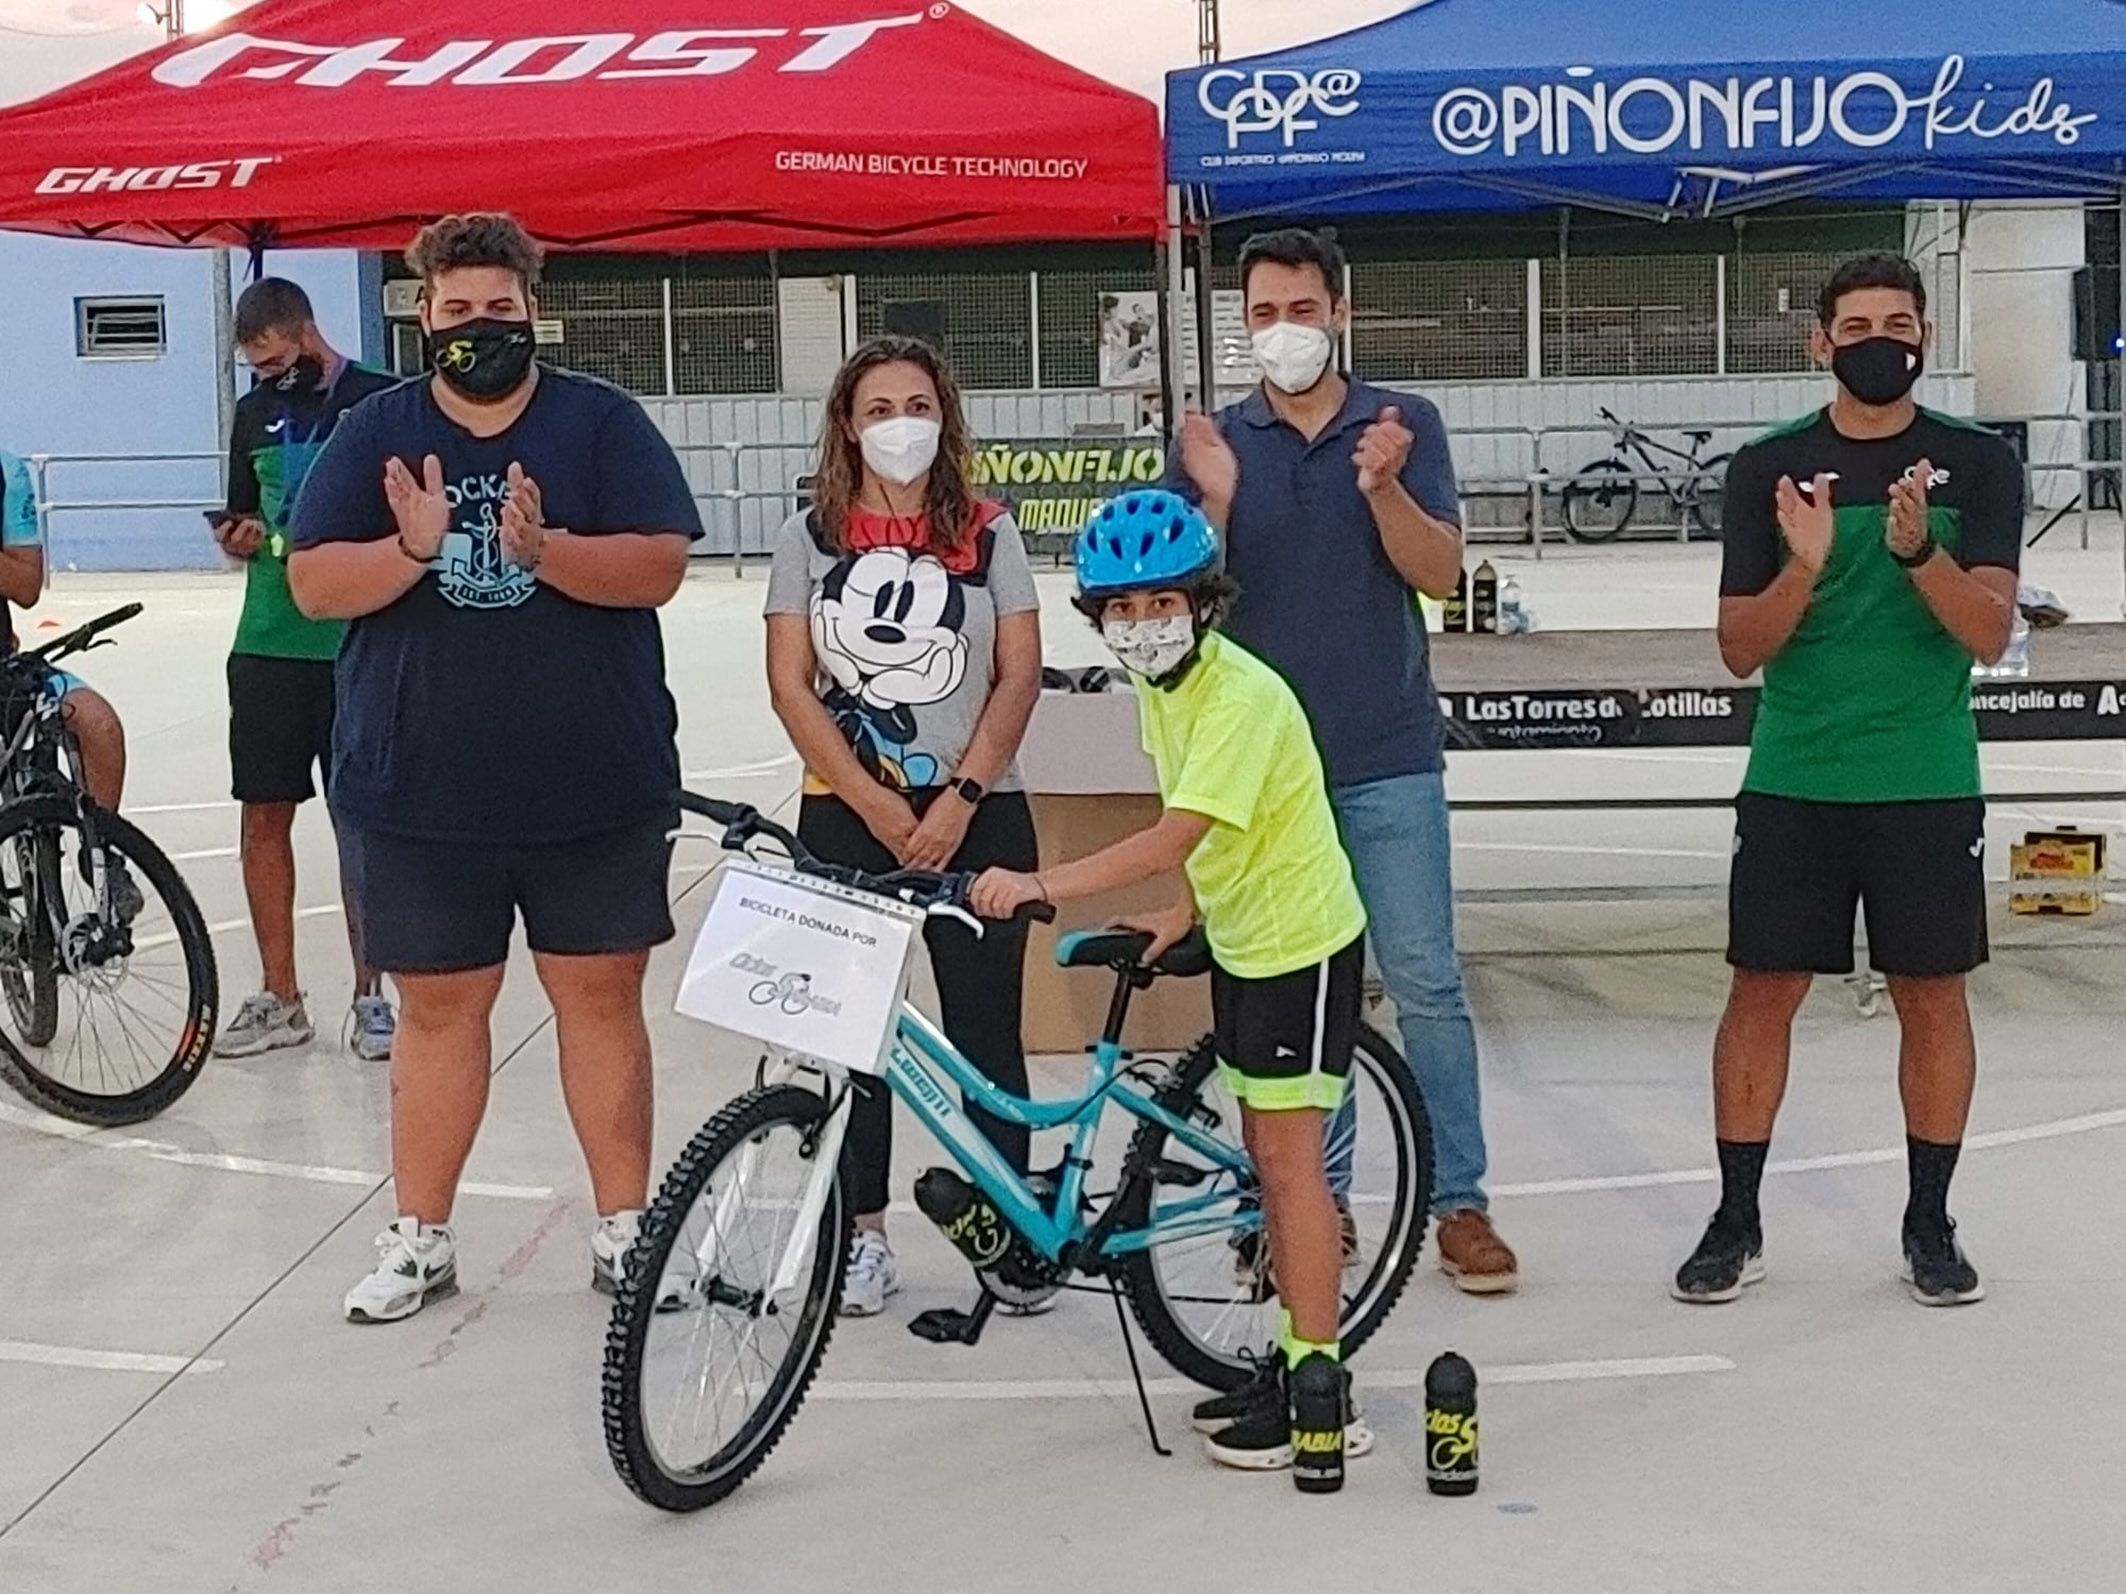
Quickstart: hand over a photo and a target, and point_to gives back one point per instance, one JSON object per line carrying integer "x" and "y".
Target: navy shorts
{"x": 438, "y": 907}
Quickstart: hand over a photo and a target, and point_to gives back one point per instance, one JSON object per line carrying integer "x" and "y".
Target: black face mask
{"x": 306, "y": 375}
{"x": 483, "y": 359}
{"x": 1878, "y": 371}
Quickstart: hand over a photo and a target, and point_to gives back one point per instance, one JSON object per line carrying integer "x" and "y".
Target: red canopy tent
{"x": 670, "y": 125}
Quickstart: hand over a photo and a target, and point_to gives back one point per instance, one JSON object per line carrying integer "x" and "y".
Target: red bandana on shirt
{"x": 868, "y": 530}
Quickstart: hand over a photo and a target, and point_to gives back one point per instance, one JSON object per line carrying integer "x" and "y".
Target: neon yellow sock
{"x": 1297, "y": 1350}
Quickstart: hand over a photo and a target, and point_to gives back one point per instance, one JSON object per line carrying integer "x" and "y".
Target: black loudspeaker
{"x": 924, "y": 319}
{"x": 2096, "y": 313}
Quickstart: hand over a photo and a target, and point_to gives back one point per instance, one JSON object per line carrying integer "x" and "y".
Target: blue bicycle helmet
{"x": 1144, "y": 540}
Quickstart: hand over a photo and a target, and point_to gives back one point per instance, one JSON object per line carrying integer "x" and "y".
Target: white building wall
{"x": 2020, "y": 265}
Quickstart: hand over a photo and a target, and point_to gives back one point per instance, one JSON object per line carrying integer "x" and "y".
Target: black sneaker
{"x": 1220, "y": 1412}
{"x": 1303, "y": 1423}
{"x": 1727, "y": 1259}
{"x": 1937, "y": 1272}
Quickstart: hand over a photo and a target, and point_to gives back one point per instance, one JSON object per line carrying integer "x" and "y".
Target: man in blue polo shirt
{"x": 1337, "y": 501}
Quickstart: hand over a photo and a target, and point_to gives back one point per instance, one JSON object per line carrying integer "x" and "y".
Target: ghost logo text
{"x": 560, "y": 58}
{"x": 153, "y": 179}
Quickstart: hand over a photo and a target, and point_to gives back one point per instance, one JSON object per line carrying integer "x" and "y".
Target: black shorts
{"x": 1917, "y": 870}
{"x": 435, "y": 907}
{"x": 1286, "y": 1043}
{"x": 280, "y": 725}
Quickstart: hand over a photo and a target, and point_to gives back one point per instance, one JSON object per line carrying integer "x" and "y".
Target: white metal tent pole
{"x": 1176, "y": 298}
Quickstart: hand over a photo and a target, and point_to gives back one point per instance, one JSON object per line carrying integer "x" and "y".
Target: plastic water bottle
{"x": 1450, "y": 1426}
{"x": 965, "y": 1216}
{"x": 1484, "y": 600}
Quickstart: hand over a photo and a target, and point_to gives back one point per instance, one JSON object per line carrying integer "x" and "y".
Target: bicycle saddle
{"x": 1699, "y": 437}
{"x": 1121, "y": 950}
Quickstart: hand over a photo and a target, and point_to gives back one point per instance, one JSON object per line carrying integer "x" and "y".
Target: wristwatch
{"x": 971, "y": 790}
{"x": 1925, "y": 554}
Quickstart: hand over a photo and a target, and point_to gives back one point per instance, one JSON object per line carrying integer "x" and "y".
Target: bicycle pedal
{"x": 1166, "y": 1171}
{"x": 944, "y": 1326}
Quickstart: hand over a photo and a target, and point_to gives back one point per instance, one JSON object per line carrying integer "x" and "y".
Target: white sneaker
{"x": 611, "y": 1242}
{"x": 416, "y": 1263}
{"x": 871, "y": 1276}
{"x": 263, "y": 1024}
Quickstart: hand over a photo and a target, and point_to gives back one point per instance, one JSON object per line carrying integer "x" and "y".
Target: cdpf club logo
{"x": 457, "y": 355}
{"x": 1276, "y": 101}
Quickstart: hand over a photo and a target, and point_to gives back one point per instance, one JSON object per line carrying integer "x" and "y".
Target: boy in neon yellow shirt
{"x": 1248, "y": 818}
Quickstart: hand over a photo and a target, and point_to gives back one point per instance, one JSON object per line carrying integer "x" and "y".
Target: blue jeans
{"x": 1396, "y": 832}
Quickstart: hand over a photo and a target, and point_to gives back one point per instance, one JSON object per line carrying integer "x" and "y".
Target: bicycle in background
{"x": 1602, "y": 498}
{"x": 106, "y": 968}
{"x": 732, "y": 1290}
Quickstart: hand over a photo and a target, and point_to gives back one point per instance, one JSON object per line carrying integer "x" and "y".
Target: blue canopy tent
{"x": 1659, "y": 111}
{"x": 1707, "y": 109}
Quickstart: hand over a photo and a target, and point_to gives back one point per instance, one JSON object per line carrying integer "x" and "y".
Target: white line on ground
{"x": 1374, "y": 1378}
{"x": 162, "y": 1151}
{"x": 101, "y": 1361}
{"x": 148, "y": 943}
{"x": 765, "y": 766}
{"x": 2087, "y": 1123}
{"x": 132, "y": 809}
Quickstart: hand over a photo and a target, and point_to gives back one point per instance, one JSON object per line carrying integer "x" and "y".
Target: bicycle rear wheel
{"x": 1600, "y": 501}
{"x": 134, "y": 983}
{"x": 696, "y": 1397}
{"x": 29, "y": 949}
{"x": 1207, "y": 1303}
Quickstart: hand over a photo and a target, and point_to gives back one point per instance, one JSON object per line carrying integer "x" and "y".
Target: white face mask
{"x": 903, "y": 449}
{"x": 1153, "y": 649}
{"x": 1293, "y": 357}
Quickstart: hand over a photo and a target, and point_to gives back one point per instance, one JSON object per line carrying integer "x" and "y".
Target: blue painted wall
{"x": 52, "y": 401}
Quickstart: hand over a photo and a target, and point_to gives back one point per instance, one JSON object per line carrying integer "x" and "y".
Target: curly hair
{"x": 477, "y": 238}
{"x": 949, "y": 500}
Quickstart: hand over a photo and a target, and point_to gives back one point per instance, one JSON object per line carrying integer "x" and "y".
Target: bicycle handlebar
{"x": 933, "y": 891}
{"x": 84, "y": 636}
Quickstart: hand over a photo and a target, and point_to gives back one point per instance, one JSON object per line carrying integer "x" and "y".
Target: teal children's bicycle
{"x": 732, "y": 1290}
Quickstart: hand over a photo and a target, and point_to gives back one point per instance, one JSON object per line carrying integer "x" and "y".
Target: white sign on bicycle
{"x": 802, "y": 966}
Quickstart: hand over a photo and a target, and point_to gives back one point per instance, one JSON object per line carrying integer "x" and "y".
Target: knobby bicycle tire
{"x": 626, "y": 1439}
{"x": 52, "y": 815}
{"x": 1140, "y": 1274}
{"x": 32, "y": 984}
{"x": 1603, "y": 476}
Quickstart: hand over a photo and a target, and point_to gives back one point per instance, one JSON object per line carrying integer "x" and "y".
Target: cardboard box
{"x": 2057, "y": 872}
{"x": 1090, "y": 785}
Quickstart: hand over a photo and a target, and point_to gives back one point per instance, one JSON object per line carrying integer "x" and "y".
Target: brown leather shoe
{"x": 1472, "y": 1254}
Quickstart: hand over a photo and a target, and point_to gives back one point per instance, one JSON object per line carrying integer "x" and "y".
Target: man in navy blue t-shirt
{"x": 1337, "y": 501}
{"x": 500, "y": 536}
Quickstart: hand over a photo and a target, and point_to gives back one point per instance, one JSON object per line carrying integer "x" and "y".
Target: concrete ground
{"x": 183, "y": 1410}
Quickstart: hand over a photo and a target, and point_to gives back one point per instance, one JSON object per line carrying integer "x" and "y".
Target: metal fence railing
{"x": 746, "y": 490}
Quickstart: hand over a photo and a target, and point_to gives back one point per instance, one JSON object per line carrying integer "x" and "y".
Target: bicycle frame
{"x": 1059, "y": 1231}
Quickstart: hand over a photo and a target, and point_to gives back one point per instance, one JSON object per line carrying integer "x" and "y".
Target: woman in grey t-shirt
{"x": 905, "y": 663}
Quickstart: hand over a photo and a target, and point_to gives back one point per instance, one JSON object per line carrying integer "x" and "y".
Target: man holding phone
{"x": 281, "y": 667}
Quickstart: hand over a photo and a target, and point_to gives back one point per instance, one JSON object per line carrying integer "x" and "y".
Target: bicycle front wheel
{"x": 709, "y": 1354}
{"x": 96, "y": 914}
{"x": 1208, "y": 1303}
{"x": 1708, "y": 506}
{"x": 29, "y": 966}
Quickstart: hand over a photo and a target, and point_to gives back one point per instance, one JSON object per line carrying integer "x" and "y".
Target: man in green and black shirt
{"x": 281, "y": 668}
{"x": 1871, "y": 555}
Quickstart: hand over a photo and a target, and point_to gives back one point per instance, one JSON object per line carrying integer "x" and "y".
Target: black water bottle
{"x": 1484, "y": 600}
{"x": 1450, "y": 1426}
{"x": 964, "y": 1216}
{"x": 1456, "y": 618}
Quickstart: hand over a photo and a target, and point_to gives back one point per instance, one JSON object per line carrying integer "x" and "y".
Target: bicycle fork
{"x": 826, "y": 1165}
